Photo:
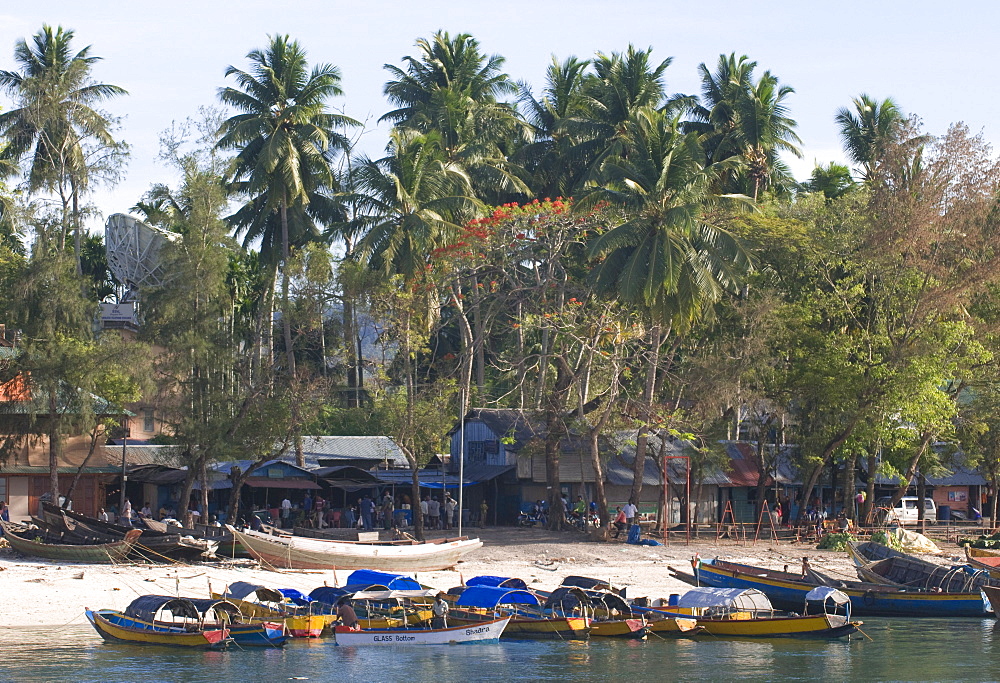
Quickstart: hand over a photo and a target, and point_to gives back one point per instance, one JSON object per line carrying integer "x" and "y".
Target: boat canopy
{"x": 588, "y": 583}
{"x": 295, "y": 596}
{"x": 498, "y": 581}
{"x": 242, "y": 589}
{"x": 328, "y": 595}
{"x": 737, "y": 598}
{"x": 824, "y": 593}
{"x": 368, "y": 577}
{"x": 491, "y": 596}
{"x": 146, "y": 607}
{"x": 395, "y": 595}
{"x": 568, "y": 597}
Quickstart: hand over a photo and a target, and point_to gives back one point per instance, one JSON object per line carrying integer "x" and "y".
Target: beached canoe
{"x": 485, "y": 632}
{"x": 984, "y": 560}
{"x": 293, "y": 552}
{"x": 877, "y": 563}
{"x": 487, "y": 600}
{"x": 787, "y": 590}
{"x": 35, "y": 543}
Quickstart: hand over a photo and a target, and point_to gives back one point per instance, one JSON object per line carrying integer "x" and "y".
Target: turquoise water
{"x": 915, "y": 650}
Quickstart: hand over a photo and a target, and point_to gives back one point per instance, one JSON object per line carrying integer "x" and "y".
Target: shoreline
{"x": 41, "y": 593}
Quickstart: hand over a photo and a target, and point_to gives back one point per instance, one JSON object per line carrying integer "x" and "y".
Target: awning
{"x": 490, "y": 596}
{"x": 266, "y": 483}
{"x": 737, "y": 598}
{"x": 370, "y": 577}
{"x": 435, "y": 479}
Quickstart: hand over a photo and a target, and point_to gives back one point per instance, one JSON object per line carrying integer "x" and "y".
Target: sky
{"x": 933, "y": 58}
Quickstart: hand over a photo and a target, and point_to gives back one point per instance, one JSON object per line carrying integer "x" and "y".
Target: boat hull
{"x": 116, "y": 627}
{"x": 677, "y": 626}
{"x": 485, "y": 632}
{"x": 557, "y": 628}
{"x": 102, "y": 553}
{"x": 619, "y": 628}
{"x": 810, "y": 626}
{"x": 311, "y": 553}
{"x": 788, "y": 594}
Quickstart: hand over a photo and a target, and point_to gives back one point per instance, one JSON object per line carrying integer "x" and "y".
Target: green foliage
{"x": 887, "y": 539}
{"x": 837, "y": 541}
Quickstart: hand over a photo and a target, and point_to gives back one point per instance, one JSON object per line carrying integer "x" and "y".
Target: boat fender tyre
{"x": 869, "y": 598}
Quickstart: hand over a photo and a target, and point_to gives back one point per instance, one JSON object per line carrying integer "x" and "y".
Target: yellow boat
{"x": 115, "y": 626}
{"x": 619, "y": 628}
{"x": 672, "y": 626}
{"x": 738, "y": 612}
{"x": 298, "y": 625}
{"x": 478, "y": 603}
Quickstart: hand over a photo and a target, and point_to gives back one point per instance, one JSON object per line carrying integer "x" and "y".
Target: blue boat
{"x": 788, "y": 591}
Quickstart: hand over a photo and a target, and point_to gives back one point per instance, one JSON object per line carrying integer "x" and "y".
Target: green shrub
{"x": 835, "y": 541}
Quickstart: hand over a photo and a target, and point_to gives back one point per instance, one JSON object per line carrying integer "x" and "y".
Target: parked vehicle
{"x": 905, "y": 511}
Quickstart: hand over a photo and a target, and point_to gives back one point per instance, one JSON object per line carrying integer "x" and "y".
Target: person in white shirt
{"x": 630, "y": 511}
{"x": 424, "y": 507}
{"x": 286, "y": 511}
{"x": 103, "y": 515}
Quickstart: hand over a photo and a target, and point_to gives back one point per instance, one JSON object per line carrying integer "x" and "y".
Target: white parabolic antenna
{"x": 133, "y": 253}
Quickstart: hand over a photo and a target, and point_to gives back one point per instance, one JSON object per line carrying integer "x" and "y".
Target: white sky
{"x": 932, "y": 57}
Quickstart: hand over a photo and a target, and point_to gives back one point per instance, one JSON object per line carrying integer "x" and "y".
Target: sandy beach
{"x": 41, "y": 593}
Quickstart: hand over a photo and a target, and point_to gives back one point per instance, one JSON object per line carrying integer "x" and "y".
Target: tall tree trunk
{"x": 55, "y": 444}
{"x": 77, "y": 231}
{"x": 850, "y": 470}
{"x": 555, "y": 428}
{"x": 911, "y": 469}
{"x": 203, "y": 475}
{"x": 828, "y": 450}
{"x": 639, "y": 465}
{"x": 478, "y": 343}
{"x": 194, "y": 467}
{"x": 286, "y": 320}
{"x": 870, "y": 488}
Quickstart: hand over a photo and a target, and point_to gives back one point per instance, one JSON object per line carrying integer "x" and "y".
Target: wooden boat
{"x": 877, "y": 563}
{"x": 787, "y": 590}
{"x": 158, "y": 541}
{"x": 747, "y": 613}
{"x": 35, "y": 543}
{"x": 611, "y": 616}
{"x": 985, "y": 560}
{"x": 196, "y": 614}
{"x": 271, "y": 606}
{"x": 480, "y": 603}
{"x": 291, "y": 552}
{"x": 992, "y": 594}
{"x": 115, "y": 627}
{"x": 484, "y": 632}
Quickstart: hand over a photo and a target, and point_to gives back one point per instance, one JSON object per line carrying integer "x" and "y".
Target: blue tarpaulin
{"x": 491, "y": 596}
{"x": 329, "y": 595}
{"x": 368, "y": 578}
{"x": 497, "y": 581}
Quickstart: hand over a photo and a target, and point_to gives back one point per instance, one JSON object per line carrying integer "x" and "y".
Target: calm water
{"x": 918, "y": 650}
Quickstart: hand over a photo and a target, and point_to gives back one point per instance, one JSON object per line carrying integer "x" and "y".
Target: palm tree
{"x": 283, "y": 136}
{"x": 668, "y": 259}
{"x": 55, "y": 119}
{"x": 414, "y": 200}
{"x": 740, "y": 117}
{"x": 833, "y": 180}
{"x": 866, "y": 130}
{"x": 549, "y": 159}
{"x": 453, "y": 89}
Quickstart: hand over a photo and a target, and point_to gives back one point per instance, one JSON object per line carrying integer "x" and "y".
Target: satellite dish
{"x": 133, "y": 253}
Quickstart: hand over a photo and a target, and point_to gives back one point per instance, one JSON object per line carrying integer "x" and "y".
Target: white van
{"x": 905, "y": 511}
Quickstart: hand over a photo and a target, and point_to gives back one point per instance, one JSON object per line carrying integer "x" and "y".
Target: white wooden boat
{"x": 296, "y": 552}
{"x": 484, "y": 632}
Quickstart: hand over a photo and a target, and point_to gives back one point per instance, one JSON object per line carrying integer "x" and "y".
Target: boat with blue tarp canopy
{"x": 371, "y": 578}
{"x": 488, "y": 597}
{"x": 499, "y": 581}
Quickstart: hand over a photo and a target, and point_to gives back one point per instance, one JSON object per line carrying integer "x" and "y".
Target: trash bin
{"x": 944, "y": 513}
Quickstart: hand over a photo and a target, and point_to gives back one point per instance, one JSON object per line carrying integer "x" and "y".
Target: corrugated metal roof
{"x": 372, "y": 448}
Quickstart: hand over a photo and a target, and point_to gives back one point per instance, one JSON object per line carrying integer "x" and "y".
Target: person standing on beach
{"x": 483, "y": 509}
{"x": 630, "y": 511}
{"x": 434, "y": 512}
{"x": 449, "y": 510}
{"x": 387, "y": 509}
{"x": 367, "y": 512}
{"x": 127, "y": 513}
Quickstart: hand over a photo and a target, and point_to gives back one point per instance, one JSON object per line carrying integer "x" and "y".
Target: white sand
{"x": 41, "y": 593}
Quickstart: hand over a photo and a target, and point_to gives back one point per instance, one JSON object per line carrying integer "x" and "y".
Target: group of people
{"x": 369, "y": 513}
